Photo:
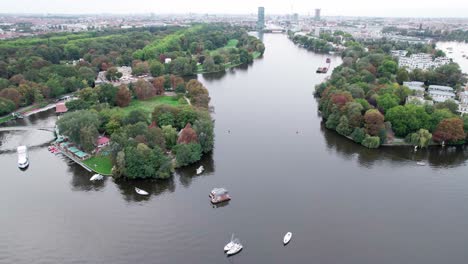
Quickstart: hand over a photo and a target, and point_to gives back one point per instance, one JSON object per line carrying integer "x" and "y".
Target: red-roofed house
{"x": 60, "y": 108}
{"x": 102, "y": 142}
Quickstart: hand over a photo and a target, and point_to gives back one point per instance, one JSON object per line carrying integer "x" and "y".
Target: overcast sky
{"x": 389, "y": 8}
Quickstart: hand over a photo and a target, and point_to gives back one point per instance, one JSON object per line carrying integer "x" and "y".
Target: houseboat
{"x": 322, "y": 70}
{"x": 23, "y": 160}
{"x": 219, "y": 195}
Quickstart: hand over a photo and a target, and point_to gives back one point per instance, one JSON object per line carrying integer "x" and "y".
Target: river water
{"x": 285, "y": 171}
{"x": 457, "y": 51}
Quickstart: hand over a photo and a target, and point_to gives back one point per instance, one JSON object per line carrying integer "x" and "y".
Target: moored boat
{"x": 322, "y": 70}
{"x": 287, "y": 238}
{"x": 219, "y": 195}
{"x": 236, "y": 248}
{"x": 23, "y": 159}
{"x": 229, "y": 245}
{"x": 200, "y": 170}
{"x": 140, "y": 191}
{"x": 97, "y": 177}
{"x": 421, "y": 163}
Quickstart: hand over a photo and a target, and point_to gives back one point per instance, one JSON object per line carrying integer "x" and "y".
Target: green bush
{"x": 371, "y": 142}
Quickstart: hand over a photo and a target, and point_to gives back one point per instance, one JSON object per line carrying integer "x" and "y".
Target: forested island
{"x": 37, "y": 69}
{"x": 133, "y": 115}
{"x": 365, "y": 99}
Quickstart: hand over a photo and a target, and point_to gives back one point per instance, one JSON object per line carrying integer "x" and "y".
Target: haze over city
{"x": 396, "y": 8}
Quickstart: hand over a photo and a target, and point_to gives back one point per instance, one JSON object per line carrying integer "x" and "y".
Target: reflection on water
{"x": 188, "y": 174}
{"x": 434, "y": 156}
{"x": 153, "y": 187}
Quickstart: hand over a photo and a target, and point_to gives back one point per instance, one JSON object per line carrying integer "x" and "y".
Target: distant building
{"x": 317, "y": 14}
{"x": 417, "y": 100}
{"x": 295, "y": 18}
{"x": 418, "y": 87}
{"x": 441, "y": 93}
{"x": 421, "y": 61}
{"x": 261, "y": 18}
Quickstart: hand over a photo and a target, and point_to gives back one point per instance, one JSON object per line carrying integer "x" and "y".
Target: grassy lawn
{"x": 232, "y": 43}
{"x": 100, "y": 164}
{"x": 148, "y": 105}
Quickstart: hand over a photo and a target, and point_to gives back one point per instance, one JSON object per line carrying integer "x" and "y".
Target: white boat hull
{"x": 97, "y": 177}
{"x": 287, "y": 238}
{"x": 141, "y": 192}
{"x": 236, "y": 249}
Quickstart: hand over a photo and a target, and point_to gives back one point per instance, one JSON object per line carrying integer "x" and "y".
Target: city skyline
{"x": 367, "y": 8}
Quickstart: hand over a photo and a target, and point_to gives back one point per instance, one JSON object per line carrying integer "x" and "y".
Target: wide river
{"x": 285, "y": 171}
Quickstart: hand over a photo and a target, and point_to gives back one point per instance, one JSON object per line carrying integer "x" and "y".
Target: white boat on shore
{"x": 23, "y": 159}
{"x": 421, "y": 163}
{"x": 140, "y": 191}
{"x": 287, "y": 238}
{"x": 200, "y": 170}
{"x": 97, "y": 177}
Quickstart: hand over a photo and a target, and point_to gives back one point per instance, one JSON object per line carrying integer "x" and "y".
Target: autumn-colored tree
{"x": 175, "y": 81}
{"x": 11, "y": 94}
{"x": 187, "y": 135}
{"x": 123, "y": 96}
{"x": 195, "y": 88}
{"x": 374, "y": 122}
{"x": 450, "y": 130}
{"x": 158, "y": 84}
{"x": 143, "y": 89}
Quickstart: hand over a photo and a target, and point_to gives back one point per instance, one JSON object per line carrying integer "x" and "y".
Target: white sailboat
{"x": 236, "y": 248}
{"x": 287, "y": 238}
{"x": 140, "y": 191}
{"x": 230, "y": 244}
{"x": 200, "y": 170}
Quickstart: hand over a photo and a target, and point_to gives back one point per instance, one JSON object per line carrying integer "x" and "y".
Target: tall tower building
{"x": 261, "y": 18}
{"x": 317, "y": 14}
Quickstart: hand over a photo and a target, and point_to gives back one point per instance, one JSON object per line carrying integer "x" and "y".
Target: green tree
{"x": 402, "y": 75}
{"x": 6, "y": 106}
{"x": 371, "y": 142}
{"x": 170, "y": 136}
{"x": 156, "y": 68}
{"x": 422, "y": 138}
{"x": 143, "y": 162}
{"x": 187, "y": 153}
{"x": 358, "y": 135}
{"x": 408, "y": 119}
{"x": 437, "y": 116}
{"x": 343, "y": 127}
{"x": 71, "y": 123}
{"x": 448, "y": 104}
{"x": 204, "y": 128}
{"x": 88, "y": 137}
{"x": 387, "y": 101}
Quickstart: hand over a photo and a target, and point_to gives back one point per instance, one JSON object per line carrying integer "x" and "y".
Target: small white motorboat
{"x": 236, "y": 248}
{"x": 140, "y": 191}
{"x": 200, "y": 170}
{"x": 230, "y": 245}
{"x": 287, "y": 238}
{"x": 421, "y": 163}
{"x": 97, "y": 177}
